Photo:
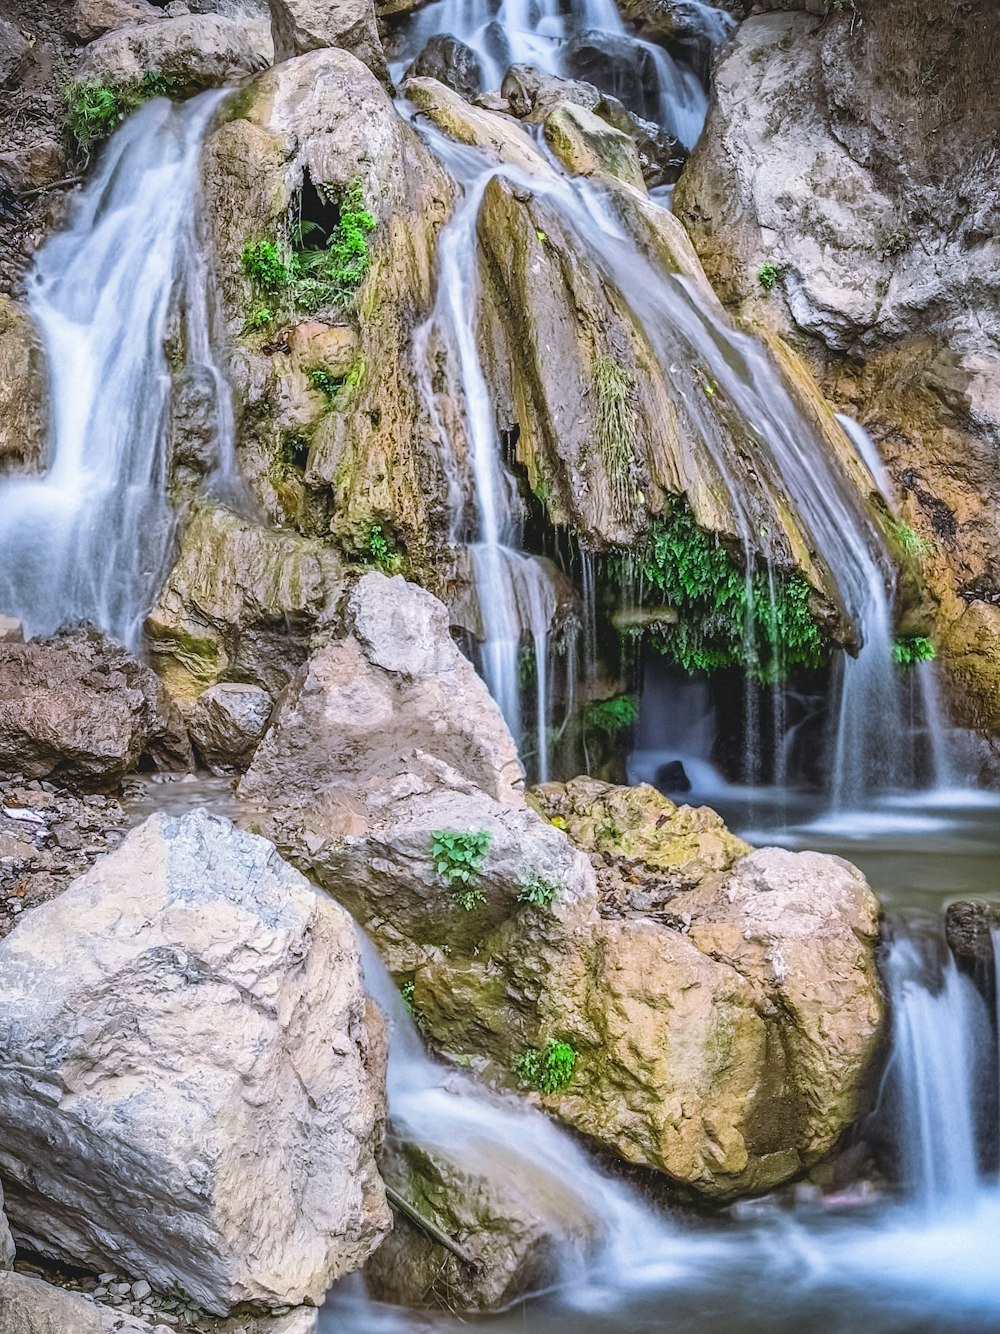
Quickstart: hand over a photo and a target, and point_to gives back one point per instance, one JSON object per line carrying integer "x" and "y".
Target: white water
{"x": 536, "y": 32}
{"x": 88, "y": 539}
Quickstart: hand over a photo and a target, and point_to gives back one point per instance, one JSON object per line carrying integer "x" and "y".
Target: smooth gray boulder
{"x": 189, "y": 1091}
{"x": 194, "y": 51}
{"x": 28, "y": 1305}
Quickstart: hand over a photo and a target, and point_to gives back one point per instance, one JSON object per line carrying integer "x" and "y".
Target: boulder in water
{"x": 80, "y": 708}
{"x": 969, "y": 928}
{"x": 195, "y": 51}
{"x": 299, "y": 26}
{"x": 451, "y": 62}
{"x": 739, "y": 1006}
{"x": 228, "y": 722}
{"x": 188, "y": 1090}
{"x": 588, "y": 146}
{"x": 616, "y": 64}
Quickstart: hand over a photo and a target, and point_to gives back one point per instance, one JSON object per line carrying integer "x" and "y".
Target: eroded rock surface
{"x": 196, "y": 51}
{"x": 299, "y": 26}
{"x": 22, "y": 391}
{"x": 81, "y": 707}
{"x": 186, "y": 1090}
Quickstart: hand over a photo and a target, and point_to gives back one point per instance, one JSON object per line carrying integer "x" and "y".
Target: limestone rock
{"x": 93, "y": 18}
{"x": 22, "y": 391}
{"x": 186, "y": 1090}
{"x": 198, "y": 51}
{"x": 228, "y": 722}
{"x": 368, "y": 455}
{"x": 81, "y": 708}
{"x": 241, "y": 601}
{"x": 451, "y": 62}
{"x": 309, "y": 25}
{"x": 30, "y": 1306}
{"x": 727, "y": 1045}
{"x": 590, "y": 147}
{"x": 499, "y": 136}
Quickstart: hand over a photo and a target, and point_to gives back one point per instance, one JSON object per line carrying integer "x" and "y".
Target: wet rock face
{"x": 969, "y": 928}
{"x": 451, "y": 62}
{"x": 80, "y": 707}
{"x": 299, "y": 26}
{"x": 198, "y": 1014}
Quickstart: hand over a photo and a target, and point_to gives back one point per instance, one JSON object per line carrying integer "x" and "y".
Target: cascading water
{"x": 88, "y": 539}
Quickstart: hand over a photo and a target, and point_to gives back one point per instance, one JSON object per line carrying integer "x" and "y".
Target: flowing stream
{"x": 88, "y": 538}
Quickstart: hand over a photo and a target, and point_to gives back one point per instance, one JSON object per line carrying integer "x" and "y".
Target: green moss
{"x": 616, "y": 426}
{"x": 317, "y": 270}
{"x": 763, "y": 624}
{"x": 94, "y": 110}
{"x": 911, "y": 649}
{"x": 548, "y": 1070}
{"x": 907, "y": 541}
{"x": 612, "y": 716}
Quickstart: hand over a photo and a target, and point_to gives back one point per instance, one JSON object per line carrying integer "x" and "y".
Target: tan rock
{"x": 588, "y": 146}
{"x": 500, "y": 137}
{"x": 196, "y": 51}
{"x": 22, "y": 392}
{"x": 93, "y": 18}
{"x": 300, "y": 26}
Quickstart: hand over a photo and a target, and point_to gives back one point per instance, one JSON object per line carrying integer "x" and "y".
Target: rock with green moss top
{"x": 588, "y": 146}
{"x": 513, "y": 1224}
{"x": 727, "y": 1045}
{"x": 295, "y": 141}
{"x": 240, "y": 604}
{"x": 499, "y": 136}
{"x": 22, "y": 391}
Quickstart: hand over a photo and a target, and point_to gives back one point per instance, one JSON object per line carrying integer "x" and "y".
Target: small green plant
{"x": 908, "y": 650}
{"x": 536, "y": 890}
{"x": 94, "y": 110}
{"x": 767, "y": 276}
{"x": 612, "y": 716}
{"x": 319, "y": 270}
{"x": 406, "y": 996}
{"x": 327, "y": 384}
{"x": 908, "y": 541}
{"x": 381, "y": 550}
{"x": 261, "y": 318}
{"x": 458, "y": 858}
{"x": 548, "y": 1070}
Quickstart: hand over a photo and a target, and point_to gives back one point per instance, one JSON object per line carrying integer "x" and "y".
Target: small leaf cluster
{"x": 536, "y": 890}
{"x": 94, "y": 110}
{"x": 458, "y": 858}
{"x": 908, "y": 541}
{"x": 612, "y": 716}
{"x": 548, "y": 1070}
{"x": 764, "y": 624}
{"x": 767, "y": 276}
{"x": 381, "y": 550}
{"x": 321, "y": 271}
{"x": 911, "y": 649}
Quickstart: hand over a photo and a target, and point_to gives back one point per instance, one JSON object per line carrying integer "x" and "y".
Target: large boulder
{"x": 193, "y": 51}
{"x": 363, "y": 453}
{"x": 385, "y": 738}
{"x": 240, "y": 604}
{"x": 451, "y": 62}
{"x": 22, "y": 391}
{"x": 299, "y": 26}
{"x": 30, "y": 1306}
{"x": 80, "y": 708}
{"x": 723, "y": 1033}
{"x": 90, "y": 19}
{"x": 227, "y": 723}
{"x": 188, "y": 1090}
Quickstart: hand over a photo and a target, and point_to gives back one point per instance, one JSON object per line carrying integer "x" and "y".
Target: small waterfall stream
{"x": 88, "y": 538}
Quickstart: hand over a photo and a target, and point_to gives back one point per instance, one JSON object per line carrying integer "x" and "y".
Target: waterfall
{"x": 88, "y": 539}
